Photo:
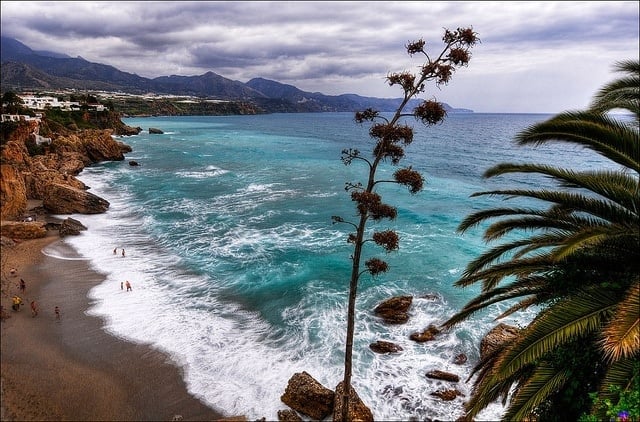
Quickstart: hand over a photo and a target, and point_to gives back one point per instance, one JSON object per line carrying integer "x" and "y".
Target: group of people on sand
{"x": 123, "y": 283}
{"x": 17, "y": 302}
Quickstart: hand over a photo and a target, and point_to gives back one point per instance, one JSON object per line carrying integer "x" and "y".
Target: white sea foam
{"x": 244, "y": 283}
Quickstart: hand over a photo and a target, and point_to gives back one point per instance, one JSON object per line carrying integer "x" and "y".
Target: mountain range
{"x": 27, "y": 69}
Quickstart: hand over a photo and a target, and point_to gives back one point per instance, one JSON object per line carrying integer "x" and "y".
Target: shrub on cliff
{"x": 6, "y": 129}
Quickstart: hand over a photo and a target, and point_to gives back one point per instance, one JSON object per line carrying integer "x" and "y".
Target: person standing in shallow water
{"x": 128, "y": 286}
{"x": 123, "y": 252}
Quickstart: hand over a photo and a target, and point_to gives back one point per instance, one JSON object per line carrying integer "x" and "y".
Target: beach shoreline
{"x": 70, "y": 368}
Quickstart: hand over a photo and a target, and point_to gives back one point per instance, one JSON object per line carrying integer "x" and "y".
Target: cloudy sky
{"x": 533, "y": 56}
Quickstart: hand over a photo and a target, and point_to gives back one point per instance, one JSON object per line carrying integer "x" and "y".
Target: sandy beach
{"x": 70, "y": 368}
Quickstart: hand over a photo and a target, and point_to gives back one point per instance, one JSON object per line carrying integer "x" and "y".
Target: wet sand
{"x": 70, "y": 368}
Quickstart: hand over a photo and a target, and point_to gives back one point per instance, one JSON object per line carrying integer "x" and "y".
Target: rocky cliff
{"x": 47, "y": 173}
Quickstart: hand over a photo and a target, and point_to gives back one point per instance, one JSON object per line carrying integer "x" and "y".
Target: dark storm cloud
{"x": 338, "y": 47}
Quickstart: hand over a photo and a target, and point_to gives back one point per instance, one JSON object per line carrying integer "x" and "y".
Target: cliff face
{"x": 50, "y": 177}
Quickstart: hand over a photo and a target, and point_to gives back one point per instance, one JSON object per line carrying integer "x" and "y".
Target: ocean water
{"x": 238, "y": 273}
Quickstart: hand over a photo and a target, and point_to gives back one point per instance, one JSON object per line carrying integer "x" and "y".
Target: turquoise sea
{"x": 240, "y": 276}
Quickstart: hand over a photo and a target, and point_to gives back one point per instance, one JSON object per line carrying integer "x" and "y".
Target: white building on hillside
{"x": 42, "y": 103}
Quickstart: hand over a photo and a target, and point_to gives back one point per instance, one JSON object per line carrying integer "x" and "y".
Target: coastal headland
{"x": 64, "y": 366}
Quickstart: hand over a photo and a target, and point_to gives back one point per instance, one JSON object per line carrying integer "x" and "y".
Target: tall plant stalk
{"x": 391, "y": 136}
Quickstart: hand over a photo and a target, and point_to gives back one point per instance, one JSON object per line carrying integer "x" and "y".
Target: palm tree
{"x": 577, "y": 261}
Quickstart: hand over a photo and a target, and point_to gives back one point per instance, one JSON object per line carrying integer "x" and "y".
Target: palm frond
{"x": 622, "y": 93}
{"x": 603, "y": 134}
{"x": 567, "y": 319}
{"x": 544, "y": 381}
{"x": 575, "y": 202}
{"x": 491, "y": 276}
{"x": 622, "y": 333}
{"x": 615, "y": 186}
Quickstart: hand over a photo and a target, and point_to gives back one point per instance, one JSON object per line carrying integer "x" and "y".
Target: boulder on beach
{"x": 62, "y": 199}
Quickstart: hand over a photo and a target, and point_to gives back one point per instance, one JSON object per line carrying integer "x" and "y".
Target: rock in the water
{"x": 382, "y": 346}
{"x": 442, "y": 375}
{"x": 460, "y": 359}
{"x": 358, "y": 411}
{"x": 153, "y": 130}
{"x": 288, "y": 415}
{"x": 394, "y": 310}
{"x": 427, "y": 334}
{"x": 498, "y": 335}
{"x": 306, "y": 395}
{"x": 447, "y": 395}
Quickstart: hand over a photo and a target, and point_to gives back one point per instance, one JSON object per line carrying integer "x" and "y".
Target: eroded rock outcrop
{"x": 23, "y": 230}
{"x": 63, "y": 199}
{"x": 47, "y": 172}
{"x": 13, "y": 193}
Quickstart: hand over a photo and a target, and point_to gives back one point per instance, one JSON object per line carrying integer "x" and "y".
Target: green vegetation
{"x": 577, "y": 260}
{"x": 71, "y": 119}
{"x": 390, "y": 137}
{"x": 138, "y": 106}
{"x": 12, "y": 104}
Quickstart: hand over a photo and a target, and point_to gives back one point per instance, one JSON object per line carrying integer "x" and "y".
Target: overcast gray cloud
{"x": 533, "y": 56}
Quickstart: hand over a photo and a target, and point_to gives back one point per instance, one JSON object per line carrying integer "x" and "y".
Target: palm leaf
{"x": 605, "y": 135}
{"x": 544, "y": 381}
{"x": 622, "y": 333}
{"x": 568, "y": 319}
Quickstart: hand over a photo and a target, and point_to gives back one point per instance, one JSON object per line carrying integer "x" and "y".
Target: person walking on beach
{"x": 57, "y": 311}
{"x": 123, "y": 252}
{"x": 128, "y": 286}
{"x": 115, "y": 251}
{"x": 17, "y": 301}
{"x": 23, "y": 285}
{"x": 121, "y": 285}
{"x": 34, "y": 308}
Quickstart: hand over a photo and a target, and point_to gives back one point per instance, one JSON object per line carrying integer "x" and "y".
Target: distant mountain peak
{"x": 59, "y": 71}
